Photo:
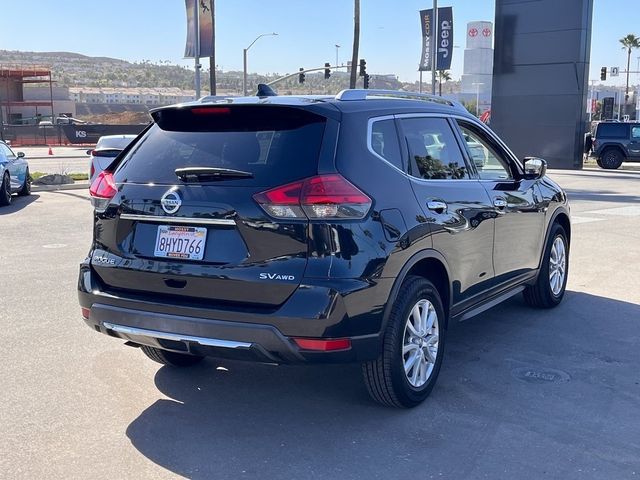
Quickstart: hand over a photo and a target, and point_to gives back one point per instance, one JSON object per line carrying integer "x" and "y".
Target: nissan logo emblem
{"x": 171, "y": 201}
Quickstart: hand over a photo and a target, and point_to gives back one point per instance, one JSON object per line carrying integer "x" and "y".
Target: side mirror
{"x": 534, "y": 168}
{"x": 20, "y": 154}
{"x": 90, "y": 151}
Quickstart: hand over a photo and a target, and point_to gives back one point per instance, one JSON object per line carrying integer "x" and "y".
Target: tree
{"x": 356, "y": 43}
{"x": 629, "y": 43}
{"x": 445, "y": 76}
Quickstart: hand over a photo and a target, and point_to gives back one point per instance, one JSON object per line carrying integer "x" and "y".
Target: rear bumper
{"x": 353, "y": 311}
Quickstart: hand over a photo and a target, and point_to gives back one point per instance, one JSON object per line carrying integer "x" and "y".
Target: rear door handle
{"x": 436, "y": 206}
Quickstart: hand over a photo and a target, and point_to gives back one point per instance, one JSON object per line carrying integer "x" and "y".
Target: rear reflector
{"x": 85, "y": 312}
{"x": 319, "y": 197}
{"x": 323, "y": 345}
{"x": 102, "y": 190}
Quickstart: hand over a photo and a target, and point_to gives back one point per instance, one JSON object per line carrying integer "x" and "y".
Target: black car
{"x": 616, "y": 142}
{"x": 319, "y": 229}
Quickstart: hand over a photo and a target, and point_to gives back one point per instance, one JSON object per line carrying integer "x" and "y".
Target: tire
{"x": 545, "y": 293}
{"x": 611, "y": 159}
{"x": 26, "y": 186}
{"x": 385, "y": 377}
{"x": 5, "y": 190}
{"x": 173, "y": 359}
{"x": 599, "y": 163}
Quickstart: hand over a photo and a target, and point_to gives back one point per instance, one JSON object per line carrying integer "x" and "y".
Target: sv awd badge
{"x": 276, "y": 276}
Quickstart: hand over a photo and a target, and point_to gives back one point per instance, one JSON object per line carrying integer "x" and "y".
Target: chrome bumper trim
{"x": 180, "y": 220}
{"x": 208, "y": 342}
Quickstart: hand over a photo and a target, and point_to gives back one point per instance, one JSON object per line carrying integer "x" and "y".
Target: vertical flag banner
{"x": 444, "y": 39}
{"x": 426, "y": 20}
{"x": 202, "y": 8}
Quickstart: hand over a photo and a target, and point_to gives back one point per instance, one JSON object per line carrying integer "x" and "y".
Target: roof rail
{"x": 362, "y": 94}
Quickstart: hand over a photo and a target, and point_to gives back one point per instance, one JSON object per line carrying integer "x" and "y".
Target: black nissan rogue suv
{"x": 352, "y": 228}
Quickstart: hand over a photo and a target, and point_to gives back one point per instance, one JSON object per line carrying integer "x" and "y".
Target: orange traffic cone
{"x": 50, "y": 151}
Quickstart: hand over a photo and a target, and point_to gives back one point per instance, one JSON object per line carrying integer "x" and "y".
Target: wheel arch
{"x": 613, "y": 146}
{"x": 561, "y": 217}
{"x": 429, "y": 264}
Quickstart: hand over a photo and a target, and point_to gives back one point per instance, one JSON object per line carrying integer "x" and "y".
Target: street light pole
{"x": 434, "y": 48}
{"x": 244, "y": 60}
{"x": 337, "y": 47}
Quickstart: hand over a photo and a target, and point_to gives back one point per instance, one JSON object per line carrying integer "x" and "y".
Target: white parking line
{"x": 630, "y": 211}
{"x": 576, "y": 220}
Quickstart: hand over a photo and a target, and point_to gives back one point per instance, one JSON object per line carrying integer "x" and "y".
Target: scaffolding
{"x": 13, "y": 77}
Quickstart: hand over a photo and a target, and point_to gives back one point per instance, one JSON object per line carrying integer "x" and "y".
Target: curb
{"x": 52, "y": 188}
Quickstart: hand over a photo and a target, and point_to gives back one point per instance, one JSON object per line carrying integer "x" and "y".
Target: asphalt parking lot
{"x": 522, "y": 393}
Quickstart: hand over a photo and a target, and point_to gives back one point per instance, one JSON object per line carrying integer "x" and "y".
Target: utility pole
{"x": 337, "y": 47}
{"x": 212, "y": 58}
{"x": 356, "y": 43}
{"x": 434, "y": 47}
{"x": 197, "y": 55}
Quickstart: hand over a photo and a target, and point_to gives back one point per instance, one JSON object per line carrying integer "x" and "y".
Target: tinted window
{"x": 277, "y": 145}
{"x": 384, "y": 141}
{"x": 612, "y": 130}
{"x": 433, "y": 151}
{"x": 489, "y": 163}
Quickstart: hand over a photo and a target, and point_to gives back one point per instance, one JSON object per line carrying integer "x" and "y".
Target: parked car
{"x": 107, "y": 148}
{"x": 319, "y": 229}
{"x": 14, "y": 174}
{"x": 616, "y": 142}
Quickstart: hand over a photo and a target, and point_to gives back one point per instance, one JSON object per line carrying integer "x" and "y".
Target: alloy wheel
{"x": 557, "y": 265}
{"x": 420, "y": 343}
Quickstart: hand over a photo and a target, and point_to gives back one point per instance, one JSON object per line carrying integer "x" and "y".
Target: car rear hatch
{"x": 183, "y": 222}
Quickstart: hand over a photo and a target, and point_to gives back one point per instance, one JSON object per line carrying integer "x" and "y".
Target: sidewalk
{"x": 43, "y": 152}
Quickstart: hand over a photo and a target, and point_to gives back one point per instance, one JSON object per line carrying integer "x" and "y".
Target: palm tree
{"x": 629, "y": 43}
{"x": 445, "y": 76}
{"x": 356, "y": 43}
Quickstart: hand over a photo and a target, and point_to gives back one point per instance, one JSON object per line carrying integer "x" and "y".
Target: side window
{"x": 434, "y": 153}
{"x": 384, "y": 141}
{"x": 490, "y": 164}
{"x": 635, "y": 132}
{"x": 6, "y": 152}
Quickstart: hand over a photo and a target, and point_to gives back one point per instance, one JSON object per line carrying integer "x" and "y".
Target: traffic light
{"x": 363, "y": 67}
{"x": 327, "y": 71}
{"x": 366, "y": 80}
{"x": 603, "y": 73}
{"x": 301, "y": 75}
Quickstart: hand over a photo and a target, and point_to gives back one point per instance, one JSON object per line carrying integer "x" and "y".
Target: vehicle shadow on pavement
{"x": 18, "y": 203}
{"x": 601, "y": 196}
{"x": 521, "y": 390}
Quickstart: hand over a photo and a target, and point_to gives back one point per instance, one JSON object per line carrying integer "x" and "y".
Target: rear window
{"x": 278, "y": 145}
{"x": 612, "y": 130}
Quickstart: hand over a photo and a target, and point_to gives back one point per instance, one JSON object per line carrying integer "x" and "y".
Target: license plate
{"x": 180, "y": 242}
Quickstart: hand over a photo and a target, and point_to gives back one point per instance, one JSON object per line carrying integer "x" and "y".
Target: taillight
{"x": 102, "y": 190}
{"x": 320, "y": 197}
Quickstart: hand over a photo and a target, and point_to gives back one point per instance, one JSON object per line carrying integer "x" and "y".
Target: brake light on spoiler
{"x": 327, "y": 197}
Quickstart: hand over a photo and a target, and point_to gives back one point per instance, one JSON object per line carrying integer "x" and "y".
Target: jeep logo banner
{"x": 444, "y": 38}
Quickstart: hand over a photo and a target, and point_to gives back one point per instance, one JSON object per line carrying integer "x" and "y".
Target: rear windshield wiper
{"x": 199, "y": 174}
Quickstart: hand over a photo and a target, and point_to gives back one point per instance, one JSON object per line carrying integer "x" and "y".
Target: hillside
{"x": 73, "y": 69}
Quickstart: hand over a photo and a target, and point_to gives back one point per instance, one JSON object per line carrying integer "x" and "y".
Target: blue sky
{"x": 308, "y": 30}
